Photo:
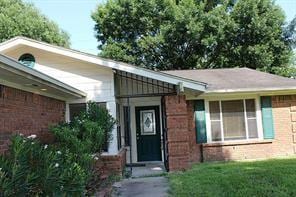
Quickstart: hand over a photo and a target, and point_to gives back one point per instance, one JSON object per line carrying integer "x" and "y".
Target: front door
{"x": 148, "y": 133}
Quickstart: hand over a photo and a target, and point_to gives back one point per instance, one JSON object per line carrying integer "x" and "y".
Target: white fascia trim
{"x": 104, "y": 62}
{"x": 10, "y": 43}
{"x": 274, "y": 92}
{"x": 32, "y": 74}
{"x": 249, "y": 90}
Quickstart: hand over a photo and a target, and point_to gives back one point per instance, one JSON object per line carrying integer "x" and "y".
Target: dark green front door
{"x": 148, "y": 133}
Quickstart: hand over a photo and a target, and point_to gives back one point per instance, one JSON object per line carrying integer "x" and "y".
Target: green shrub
{"x": 102, "y": 118}
{"x": 88, "y": 132}
{"x": 35, "y": 169}
{"x": 60, "y": 169}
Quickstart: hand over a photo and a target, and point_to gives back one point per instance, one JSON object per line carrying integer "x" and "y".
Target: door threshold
{"x": 135, "y": 164}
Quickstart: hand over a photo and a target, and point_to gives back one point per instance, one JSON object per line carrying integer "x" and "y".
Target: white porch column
{"x": 113, "y": 147}
{"x": 67, "y": 112}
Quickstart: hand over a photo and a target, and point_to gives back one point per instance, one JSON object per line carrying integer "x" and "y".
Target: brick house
{"x": 175, "y": 117}
{"x": 30, "y": 101}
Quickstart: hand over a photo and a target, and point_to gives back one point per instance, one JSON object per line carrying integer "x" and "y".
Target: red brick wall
{"x": 183, "y": 149}
{"x": 195, "y": 154}
{"x": 111, "y": 164}
{"x": 284, "y": 111}
{"x": 178, "y": 133}
{"x": 238, "y": 151}
{"x": 27, "y": 113}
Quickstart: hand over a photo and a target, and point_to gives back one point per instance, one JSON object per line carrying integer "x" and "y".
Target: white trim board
{"x": 258, "y": 92}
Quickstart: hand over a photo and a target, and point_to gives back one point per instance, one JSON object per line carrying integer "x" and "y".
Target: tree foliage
{"x": 290, "y": 33}
{"x": 187, "y": 34}
{"x": 22, "y": 19}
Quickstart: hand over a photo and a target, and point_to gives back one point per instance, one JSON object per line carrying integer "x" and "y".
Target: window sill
{"x": 233, "y": 143}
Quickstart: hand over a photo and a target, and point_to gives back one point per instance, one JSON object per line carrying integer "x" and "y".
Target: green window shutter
{"x": 267, "y": 118}
{"x": 200, "y": 121}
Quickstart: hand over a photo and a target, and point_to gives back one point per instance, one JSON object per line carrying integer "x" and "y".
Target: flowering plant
{"x": 60, "y": 169}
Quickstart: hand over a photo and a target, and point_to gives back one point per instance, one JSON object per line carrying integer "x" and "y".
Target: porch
{"x": 141, "y": 118}
{"x": 146, "y": 109}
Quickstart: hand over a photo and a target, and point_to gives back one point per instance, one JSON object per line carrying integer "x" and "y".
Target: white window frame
{"x": 258, "y": 118}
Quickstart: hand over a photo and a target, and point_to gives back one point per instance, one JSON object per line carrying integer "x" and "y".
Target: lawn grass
{"x": 258, "y": 178}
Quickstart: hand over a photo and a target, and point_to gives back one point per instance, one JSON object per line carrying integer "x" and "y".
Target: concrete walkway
{"x": 150, "y": 169}
{"x": 145, "y": 181}
{"x": 142, "y": 187}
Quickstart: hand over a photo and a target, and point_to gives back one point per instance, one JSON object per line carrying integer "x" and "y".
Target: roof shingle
{"x": 236, "y": 79}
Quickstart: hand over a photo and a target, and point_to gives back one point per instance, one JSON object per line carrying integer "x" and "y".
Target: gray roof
{"x": 237, "y": 79}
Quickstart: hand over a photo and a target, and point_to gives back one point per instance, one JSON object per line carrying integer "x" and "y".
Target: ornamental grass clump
{"x": 63, "y": 168}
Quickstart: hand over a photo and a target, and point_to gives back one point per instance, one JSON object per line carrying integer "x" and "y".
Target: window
{"x": 27, "y": 60}
{"x": 102, "y": 105}
{"x": 233, "y": 120}
{"x": 76, "y": 108}
{"x": 147, "y": 119}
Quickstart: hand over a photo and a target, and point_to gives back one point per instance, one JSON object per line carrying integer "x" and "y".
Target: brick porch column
{"x": 177, "y": 132}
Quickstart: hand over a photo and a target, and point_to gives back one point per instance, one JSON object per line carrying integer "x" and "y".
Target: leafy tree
{"x": 290, "y": 33}
{"x": 22, "y": 19}
{"x": 187, "y": 34}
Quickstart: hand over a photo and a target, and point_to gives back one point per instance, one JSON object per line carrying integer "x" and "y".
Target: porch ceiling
{"x": 130, "y": 85}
